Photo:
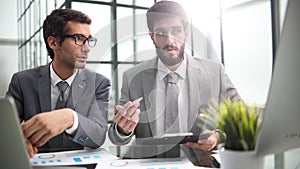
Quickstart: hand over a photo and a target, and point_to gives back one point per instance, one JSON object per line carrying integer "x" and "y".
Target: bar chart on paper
{"x": 157, "y": 163}
{"x": 77, "y": 157}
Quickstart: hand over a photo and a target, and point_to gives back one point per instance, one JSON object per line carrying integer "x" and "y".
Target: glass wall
{"x": 31, "y": 14}
{"x": 247, "y": 40}
{"x": 120, "y": 28}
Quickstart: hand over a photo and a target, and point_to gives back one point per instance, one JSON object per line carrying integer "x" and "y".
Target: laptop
{"x": 12, "y": 144}
{"x": 14, "y": 153}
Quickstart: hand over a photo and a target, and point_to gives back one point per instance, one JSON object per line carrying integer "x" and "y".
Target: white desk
{"x": 291, "y": 160}
{"x": 150, "y": 163}
{"x": 105, "y": 160}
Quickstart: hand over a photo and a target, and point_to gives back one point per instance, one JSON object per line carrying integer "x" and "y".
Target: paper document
{"x": 77, "y": 157}
{"x": 153, "y": 163}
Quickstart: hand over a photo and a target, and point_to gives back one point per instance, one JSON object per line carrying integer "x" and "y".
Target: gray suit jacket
{"x": 207, "y": 81}
{"x": 88, "y": 97}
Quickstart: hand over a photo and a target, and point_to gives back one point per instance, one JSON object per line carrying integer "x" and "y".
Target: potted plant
{"x": 240, "y": 125}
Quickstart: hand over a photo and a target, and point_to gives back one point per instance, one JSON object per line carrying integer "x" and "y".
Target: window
{"x": 120, "y": 39}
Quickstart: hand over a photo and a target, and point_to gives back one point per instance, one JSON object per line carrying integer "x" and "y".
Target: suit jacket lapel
{"x": 78, "y": 86}
{"x": 195, "y": 78}
{"x": 44, "y": 88}
{"x": 201, "y": 88}
{"x": 149, "y": 86}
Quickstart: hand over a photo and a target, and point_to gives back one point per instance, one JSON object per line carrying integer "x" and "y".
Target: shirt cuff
{"x": 73, "y": 129}
{"x": 120, "y": 135}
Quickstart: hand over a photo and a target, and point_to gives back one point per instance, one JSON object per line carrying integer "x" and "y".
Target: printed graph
{"x": 72, "y": 157}
{"x": 163, "y": 163}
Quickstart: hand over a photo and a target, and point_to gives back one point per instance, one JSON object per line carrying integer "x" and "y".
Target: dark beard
{"x": 170, "y": 60}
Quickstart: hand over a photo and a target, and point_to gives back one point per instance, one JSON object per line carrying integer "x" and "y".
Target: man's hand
{"x": 31, "y": 150}
{"x": 42, "y": 127}
{"x": 127, "y": 117}
{"x": 206, "y": 144}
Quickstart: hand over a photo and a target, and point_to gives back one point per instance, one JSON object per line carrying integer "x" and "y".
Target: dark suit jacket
{"x": 88, "y": 97}
{"x": 207, "y": 81}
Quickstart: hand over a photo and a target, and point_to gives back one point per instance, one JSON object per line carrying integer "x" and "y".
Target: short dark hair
{"x": 165, "y": 9}
{"x": 55, "y": 24}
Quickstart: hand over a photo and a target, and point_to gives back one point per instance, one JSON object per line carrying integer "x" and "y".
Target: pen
{"x": 136, "y": 101}
{"x": 132, "y": 104}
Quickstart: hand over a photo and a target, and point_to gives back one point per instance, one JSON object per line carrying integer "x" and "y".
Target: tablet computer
{"x": 174, "y": 138}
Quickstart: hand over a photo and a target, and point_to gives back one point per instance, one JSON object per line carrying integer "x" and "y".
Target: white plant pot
{"x": 240, "y": 160}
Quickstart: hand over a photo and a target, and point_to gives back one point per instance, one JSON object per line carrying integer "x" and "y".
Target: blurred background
{"x": 242, "y": 34}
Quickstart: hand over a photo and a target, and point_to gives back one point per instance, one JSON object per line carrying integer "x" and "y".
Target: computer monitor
{"x": 280, "y": 130}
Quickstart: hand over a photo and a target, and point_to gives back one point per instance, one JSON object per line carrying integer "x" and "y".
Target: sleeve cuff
{"x": 73, "y": 129}
{"x": 120, "y": 135}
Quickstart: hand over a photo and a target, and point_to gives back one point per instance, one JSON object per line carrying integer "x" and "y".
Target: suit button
{"x": 83, "y": 140}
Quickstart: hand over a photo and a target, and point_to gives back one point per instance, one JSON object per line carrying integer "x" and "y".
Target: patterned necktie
{"x": 171, "y": 110}
{"x": 61, "y": 100}
{"x": 57, "y": 142}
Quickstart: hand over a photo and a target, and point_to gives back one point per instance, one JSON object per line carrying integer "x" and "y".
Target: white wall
{"x": 8, "y": 50}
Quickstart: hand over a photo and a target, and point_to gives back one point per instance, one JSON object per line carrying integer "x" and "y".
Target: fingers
{"x": 31, "y": 150}
{"x": 125, "y": 112}
{"x": 41, "y": 140}
{"x": 121, "y": 111}
{"x": 127, "y": 117}
{"x": 42, "y": 127}
{"x": 205, "y": 145}
{"x": 40, "y": 137}
{"x": 32, "y": 130}
{"x": 199, "y": 146}
{"x": 135, "y": 119}
{"x": 30, "y": 127}
{"x": 128, "y": 124}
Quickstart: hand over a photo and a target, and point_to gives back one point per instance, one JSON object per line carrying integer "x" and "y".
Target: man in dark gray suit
{"x": 200, "y": 81}
{"x": 71, "y": 118}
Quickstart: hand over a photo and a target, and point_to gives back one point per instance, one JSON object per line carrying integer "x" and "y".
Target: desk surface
{"x": 104, "y": 159}
{"x": 292, "y": 156}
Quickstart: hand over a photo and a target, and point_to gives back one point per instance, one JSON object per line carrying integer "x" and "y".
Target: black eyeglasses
{"x": 80, "y": 39}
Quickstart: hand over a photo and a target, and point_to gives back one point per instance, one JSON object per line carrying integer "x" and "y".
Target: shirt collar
{"x": 163, "y": 70}
{"x": 55, "y": 78}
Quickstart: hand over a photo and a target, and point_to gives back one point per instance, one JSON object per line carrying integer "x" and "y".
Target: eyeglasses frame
{"x": 77, "y": 36}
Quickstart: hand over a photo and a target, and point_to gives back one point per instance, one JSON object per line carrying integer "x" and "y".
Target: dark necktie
{"x": 56, "y": 143}
{"x": 171, "y": 110}
{"x": 61, "y": 100}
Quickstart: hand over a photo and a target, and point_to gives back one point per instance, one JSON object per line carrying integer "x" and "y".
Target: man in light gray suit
{"x": 81, "y": 118}
{"x": 200, "y": 81}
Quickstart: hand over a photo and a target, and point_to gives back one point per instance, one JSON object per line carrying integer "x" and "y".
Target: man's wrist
{"x": 71, "y": 130}
{"x": 221, "y": 136}
{"x": 121, "y": 134}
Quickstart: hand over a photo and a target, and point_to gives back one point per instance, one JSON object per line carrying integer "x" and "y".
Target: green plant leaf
{"x": 238, "y": 121}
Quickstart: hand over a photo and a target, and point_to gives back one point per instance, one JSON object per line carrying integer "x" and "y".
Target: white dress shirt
{"x": 182, "y": 98}
{"x": 55, "y": 93}
{"x": 160, "y": 101}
